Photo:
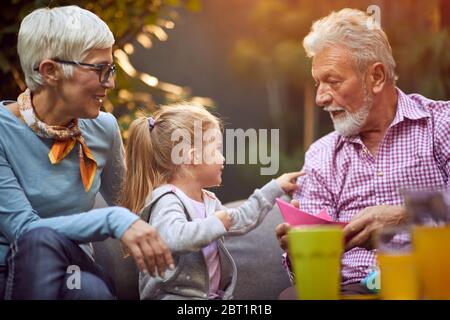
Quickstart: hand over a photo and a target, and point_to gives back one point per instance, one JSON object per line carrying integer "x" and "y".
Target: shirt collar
{"x": 353, "y": 139}
{"x": 408, "y": 108}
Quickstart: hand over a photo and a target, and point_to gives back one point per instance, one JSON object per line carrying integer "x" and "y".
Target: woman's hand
{"x": 288, "y": 181}
{"x": 149, "y": 251}
{"x": 225, "y": 218}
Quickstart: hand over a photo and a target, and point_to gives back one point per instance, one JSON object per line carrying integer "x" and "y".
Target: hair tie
{"x": 151, "y": 123}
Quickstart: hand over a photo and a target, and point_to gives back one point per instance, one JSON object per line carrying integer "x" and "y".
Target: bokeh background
{"x": 243, "y": 59}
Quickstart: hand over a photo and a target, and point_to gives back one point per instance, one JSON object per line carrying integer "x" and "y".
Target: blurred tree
{"x": 420, "y": 36}
{"x": 133, "y": 23}
{"x": 274, "y": 55}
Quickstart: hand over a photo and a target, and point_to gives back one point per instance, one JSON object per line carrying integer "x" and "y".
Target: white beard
{"x": 350, "y": 124}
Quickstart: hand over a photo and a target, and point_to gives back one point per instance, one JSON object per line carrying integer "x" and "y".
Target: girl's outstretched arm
{"x": 252, "y": 212}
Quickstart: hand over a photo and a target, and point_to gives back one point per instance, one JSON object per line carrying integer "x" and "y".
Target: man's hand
{"x": 282, "y": 229}
{"x": 149, "y": 251}
{"x": 361, "y": 230}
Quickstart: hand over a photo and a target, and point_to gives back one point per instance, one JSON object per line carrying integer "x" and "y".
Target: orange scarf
{"x": 65, "y": 139}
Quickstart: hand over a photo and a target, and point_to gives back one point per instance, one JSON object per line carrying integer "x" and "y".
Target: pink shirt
{"x": 211, "y": 254}
{"x": 344, "y": 177}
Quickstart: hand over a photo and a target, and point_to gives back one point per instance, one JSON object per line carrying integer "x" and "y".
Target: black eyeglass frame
{"x": 99, "y": 67}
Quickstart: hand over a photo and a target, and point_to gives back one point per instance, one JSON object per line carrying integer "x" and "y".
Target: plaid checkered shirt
{"x": 343, "y": 177}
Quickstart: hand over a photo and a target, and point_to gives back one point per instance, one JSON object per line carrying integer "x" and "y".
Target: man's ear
{"x": 50, "y": 72}
{"x": 377, "y": 77}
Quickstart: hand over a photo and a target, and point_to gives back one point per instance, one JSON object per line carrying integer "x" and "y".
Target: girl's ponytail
{"x": 140, "y": 176}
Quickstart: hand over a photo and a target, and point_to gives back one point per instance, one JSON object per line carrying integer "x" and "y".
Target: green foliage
{"x": 425, "y": 65}
{"x": 420, "y": 45}
{"x": 128, "y": 20}
{"x": 274, "y": 46}
{"x": 272, "y": 52}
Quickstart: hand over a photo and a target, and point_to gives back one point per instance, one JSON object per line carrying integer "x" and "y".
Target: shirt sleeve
{"x": 252, "y": 212}
{"x": 442, "y": 143}
{"x": 313, "y": 195}
{"x": 114, "y": 170}
{"x": 17, "y": 215}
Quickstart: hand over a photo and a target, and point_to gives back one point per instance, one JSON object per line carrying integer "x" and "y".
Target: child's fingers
{"x": 295, "y": 175}
{"x": 291, "y": 186}
{"x": 225, "y": 218}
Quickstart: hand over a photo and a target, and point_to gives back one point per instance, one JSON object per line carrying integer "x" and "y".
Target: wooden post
{"x": 309, "y": 121}
{"x": 444, "y": 6}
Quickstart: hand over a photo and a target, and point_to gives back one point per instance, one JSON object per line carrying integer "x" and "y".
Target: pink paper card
{"x": 297, "y": 217}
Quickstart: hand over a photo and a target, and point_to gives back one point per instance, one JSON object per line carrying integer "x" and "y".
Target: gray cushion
{"x": 258, "y": 259}
{"x": 109, "y": 255}
{"x": 125, "y": 275}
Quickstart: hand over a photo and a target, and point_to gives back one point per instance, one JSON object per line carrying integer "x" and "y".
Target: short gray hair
{"x": 359, "y": 33}
{"x": 67, "y": 33}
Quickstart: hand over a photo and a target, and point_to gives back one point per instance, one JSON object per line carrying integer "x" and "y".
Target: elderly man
{"x": 384, "y": 140}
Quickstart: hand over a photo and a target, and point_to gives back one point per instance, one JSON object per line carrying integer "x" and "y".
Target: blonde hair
{"x": 67, "y": 33}
{"x": 149, "y": 150}
{"x": 359, "y": 33}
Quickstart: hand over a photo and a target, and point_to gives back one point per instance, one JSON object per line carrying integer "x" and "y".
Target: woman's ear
{"x": 50, "y": 72}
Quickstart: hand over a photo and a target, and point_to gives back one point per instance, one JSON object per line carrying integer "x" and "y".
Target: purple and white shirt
{"x": 343, "y": 176}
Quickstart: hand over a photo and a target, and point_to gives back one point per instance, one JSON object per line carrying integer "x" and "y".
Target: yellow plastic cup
{"x": 432, "y": 249}
{"x": 315, "y": 253}
{"x": 397, "y": 262}
{"x": 399, "y": 278}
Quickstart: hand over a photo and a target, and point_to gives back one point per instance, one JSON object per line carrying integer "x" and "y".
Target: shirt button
{"x": 188, "y": 278}
{"x": 176, "y": 288}
{"x": 380, "y": 173}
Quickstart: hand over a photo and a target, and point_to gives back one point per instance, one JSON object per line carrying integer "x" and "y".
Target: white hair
{"x": 67, "y": 33}
{"x": 359, "y": 33}
{"x": 351, "y": 123}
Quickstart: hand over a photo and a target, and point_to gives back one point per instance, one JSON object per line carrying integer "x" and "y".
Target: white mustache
{"x": 333, "y": 108}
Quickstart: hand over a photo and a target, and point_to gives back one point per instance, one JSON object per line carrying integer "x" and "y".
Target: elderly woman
{"x": 57, "y": 151}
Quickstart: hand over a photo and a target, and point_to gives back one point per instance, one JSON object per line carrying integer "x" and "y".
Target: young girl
{"x": 170, "y": 184}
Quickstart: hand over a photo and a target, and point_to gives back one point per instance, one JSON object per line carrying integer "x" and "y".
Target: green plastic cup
{"x": 315, "y": 254}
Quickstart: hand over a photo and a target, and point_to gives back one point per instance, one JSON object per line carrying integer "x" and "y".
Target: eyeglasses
{"x": 105, "y": 70}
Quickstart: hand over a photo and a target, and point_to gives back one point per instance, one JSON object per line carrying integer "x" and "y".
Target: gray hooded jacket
{"x": 175, "y": 219}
